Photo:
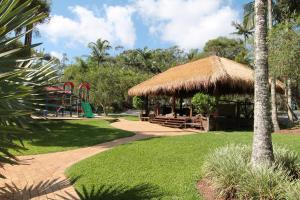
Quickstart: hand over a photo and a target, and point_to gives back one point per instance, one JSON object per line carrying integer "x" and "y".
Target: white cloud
{"x": 187, "y": 23}
{"x": 56, "y": 54}
{"x": 116, "y": 26}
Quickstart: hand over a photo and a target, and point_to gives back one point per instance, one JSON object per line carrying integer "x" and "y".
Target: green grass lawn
{"x": 161, "y": 168}
{"x": 127, "y": 117}
{"x": 70, "y": 134}
{"x": 131, "y": 118}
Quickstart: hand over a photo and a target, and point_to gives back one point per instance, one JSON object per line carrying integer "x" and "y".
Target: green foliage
{"x": 109, "y": 83}
{"x": 137, "y": 102}
{"x": 22, "y": 82}
{"x": 151, "y": 61}
{"x": 227, "y": 48}
{"x": 243, "y": 30}
{"x": 99, "y": 50}
{"x": 284, "y": 51}
{"x": 231, "y": 173}
{"x": 203, "y": 103}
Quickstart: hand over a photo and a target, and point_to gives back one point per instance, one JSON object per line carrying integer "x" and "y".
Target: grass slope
{"x": 160, "y": 168}
{"x": 69, "y": 134}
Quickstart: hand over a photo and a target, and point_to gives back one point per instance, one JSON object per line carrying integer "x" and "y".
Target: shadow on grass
{"x": 57, "y": 187}
{"x": 139, "y": 192}
{"x": 12, "y": 191}
{"x": 74, "y": 134}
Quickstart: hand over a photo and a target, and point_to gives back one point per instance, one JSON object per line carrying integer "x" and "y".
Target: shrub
{"x": 224, "y": 167}
{"x": 287, "y": 160}
{"x": 137, "y": 102}
{"x": 262, "y": 183}
{"x": 231, "y": 174}
{"x": 293, "y": 191}
{"x": 203, "y": 103}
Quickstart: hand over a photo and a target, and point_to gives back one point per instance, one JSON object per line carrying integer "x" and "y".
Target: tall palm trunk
{"x": 273, "y": 79}
{"x": 262, "y": 149}
{"x": 28, "y": 37}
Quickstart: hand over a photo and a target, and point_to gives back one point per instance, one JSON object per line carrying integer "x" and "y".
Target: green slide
{"x": 87, "y": 109}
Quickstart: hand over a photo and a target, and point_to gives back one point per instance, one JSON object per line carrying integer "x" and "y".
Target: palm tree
{"x": 262, "y": 151}
{"x": 242, "y": 29}
{"x": 40, "y": 6}
{"x": 283, "y": 10}
{"x": 146, "y": 61}
{"x": 99, "y": 50}
{"x": 22, "y": 84}
{"x": 273, "y": 78}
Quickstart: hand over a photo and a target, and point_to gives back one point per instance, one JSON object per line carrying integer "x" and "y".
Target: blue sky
{"x": 136, "y": 23}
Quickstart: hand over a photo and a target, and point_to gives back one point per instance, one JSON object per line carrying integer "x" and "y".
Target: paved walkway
{"x": 42, "y": 176}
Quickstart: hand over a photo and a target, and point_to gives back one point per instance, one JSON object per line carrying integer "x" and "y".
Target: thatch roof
{"x": 214, "y": 75}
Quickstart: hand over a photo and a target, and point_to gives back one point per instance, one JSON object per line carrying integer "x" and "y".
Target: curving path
{"x": 42, "y": 176}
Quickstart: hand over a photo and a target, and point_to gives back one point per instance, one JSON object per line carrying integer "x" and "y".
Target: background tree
{"x": 273, "y": 77}
{"x": 279, "y": 11}
{"x": 193, "y": 54}
{"x": 262, "y": 150}
{"x": 284, "y": 57}
{"x": 229, "y": 48}
{"x": 99, "y": 50}
{"x": 243, "y": 30}
{"x": 146, "y": 60}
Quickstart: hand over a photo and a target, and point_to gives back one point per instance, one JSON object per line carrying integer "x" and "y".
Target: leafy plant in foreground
{"x": 22, "y": 81}
{"x": 230, "y": 171}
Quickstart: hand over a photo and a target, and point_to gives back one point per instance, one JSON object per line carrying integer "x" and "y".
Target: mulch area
{"x": 290, "y": 131}
{"x": 206, "y": 190}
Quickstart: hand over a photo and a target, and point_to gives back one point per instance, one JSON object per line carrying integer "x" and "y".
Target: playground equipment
{"x": 84, "y": 95}
{"x": 64, "y": 100}
{"x": 68, "y": 99}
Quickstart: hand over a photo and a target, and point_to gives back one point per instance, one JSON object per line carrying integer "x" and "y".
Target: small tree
{"x": 137, "y": 102}
{"x": 204, "y": 103}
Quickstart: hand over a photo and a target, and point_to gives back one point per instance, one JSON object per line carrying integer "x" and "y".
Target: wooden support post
{"x": 146, "y": 106}
{"x": 191, "y": 108}
{"x": 174, "y": 106}
{"x": 180, "y": 102}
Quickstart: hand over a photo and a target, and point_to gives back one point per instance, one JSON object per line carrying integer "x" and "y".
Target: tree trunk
{"x": 289, "y": 101}
{"x": 28, "y": 38}
{"x": 274, "y": 105}
{"x": 273, "y": 78}
{"x": 262, "y": 149}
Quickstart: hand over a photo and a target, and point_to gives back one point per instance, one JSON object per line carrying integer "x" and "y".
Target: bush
{"x": 293, "y": 192}
{"x": 262, "y": 183}
{"x": 232, "y": 176}
{"x": 224, "y": 168}
{"x": 137, "y": 102}
{"x": 203, "y": 103}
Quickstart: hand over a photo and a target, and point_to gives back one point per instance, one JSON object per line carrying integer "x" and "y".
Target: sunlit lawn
{"x": 66, "y": 135}
{"x": 160, "y": 168}
{"x": 127, "y": 117}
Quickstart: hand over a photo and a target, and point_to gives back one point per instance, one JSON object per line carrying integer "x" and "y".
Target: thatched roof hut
{"x": 213, "y": 75}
